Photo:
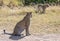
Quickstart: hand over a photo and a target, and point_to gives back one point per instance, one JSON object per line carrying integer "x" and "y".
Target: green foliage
{"x": 40, "y": 1}
{"x": 27, "y": 2}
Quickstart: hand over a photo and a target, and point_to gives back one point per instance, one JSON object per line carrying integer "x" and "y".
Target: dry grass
{"x": 40, "y": 23}
{"x": 6, "y": 2}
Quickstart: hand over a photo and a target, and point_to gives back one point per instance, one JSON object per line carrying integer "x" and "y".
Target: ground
{"x": 34, "y": 37}
{"x": 47, "y": 24}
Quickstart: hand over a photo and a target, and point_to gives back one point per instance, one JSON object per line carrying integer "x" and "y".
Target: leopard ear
{"x": 46, "y": 5}
{"x": 30, "y": 12}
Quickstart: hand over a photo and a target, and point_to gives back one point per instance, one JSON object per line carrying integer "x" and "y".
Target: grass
{"x": 15, "y": 2}
{"x": 40, "y": 23}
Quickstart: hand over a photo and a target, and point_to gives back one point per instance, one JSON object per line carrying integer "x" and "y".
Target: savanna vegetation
{"x": 40, "y": 23}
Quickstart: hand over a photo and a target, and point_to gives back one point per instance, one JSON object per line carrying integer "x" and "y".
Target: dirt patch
{"x": 34, "y": 37}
